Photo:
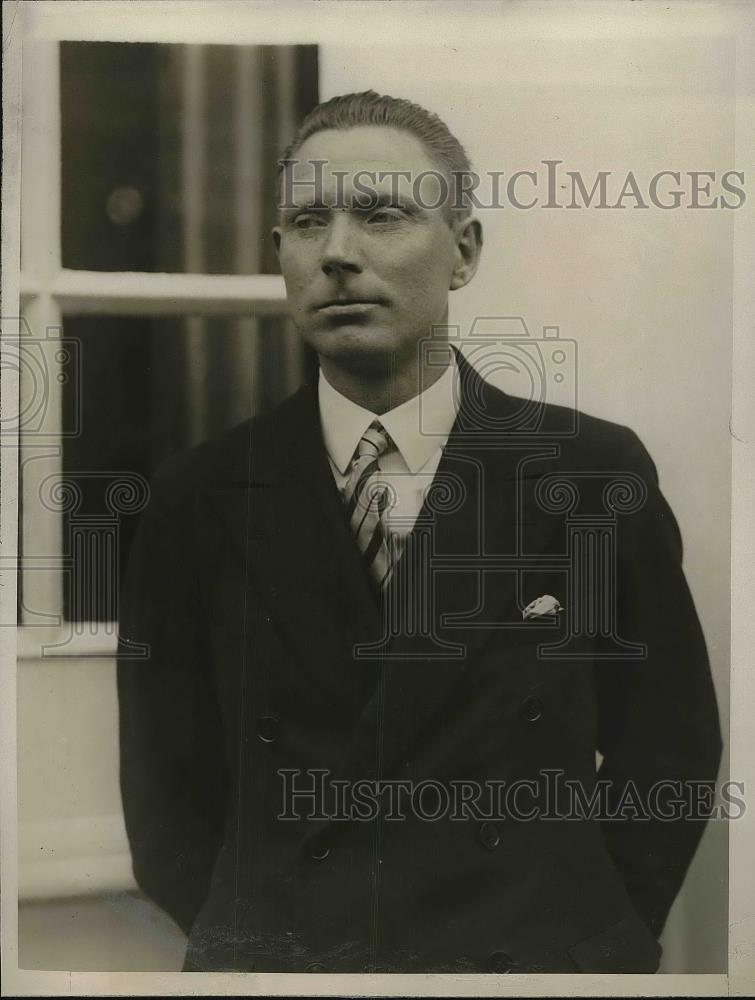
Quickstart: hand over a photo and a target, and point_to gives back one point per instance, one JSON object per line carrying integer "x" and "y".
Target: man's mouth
{"x": 339, "y": 306}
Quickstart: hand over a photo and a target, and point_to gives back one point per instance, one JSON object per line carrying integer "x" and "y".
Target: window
{"x": 152, "y": 307}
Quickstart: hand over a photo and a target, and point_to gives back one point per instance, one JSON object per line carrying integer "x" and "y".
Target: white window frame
{"x": 49, "y": 292}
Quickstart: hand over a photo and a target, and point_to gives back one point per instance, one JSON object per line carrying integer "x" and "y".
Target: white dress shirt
{"x": 418, "y": 430}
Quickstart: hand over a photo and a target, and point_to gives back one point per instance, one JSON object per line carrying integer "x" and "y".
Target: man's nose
{"x": 340, "y": 252}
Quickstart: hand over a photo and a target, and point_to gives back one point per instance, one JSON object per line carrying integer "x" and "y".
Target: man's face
{"x": 364, "y": 285}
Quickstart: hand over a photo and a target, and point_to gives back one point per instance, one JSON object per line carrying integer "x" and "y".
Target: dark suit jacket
{"x": 247, "y": 588}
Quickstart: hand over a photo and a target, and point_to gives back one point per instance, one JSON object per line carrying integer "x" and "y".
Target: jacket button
{"x": 532, "y": 710}
{"x": 319, "y": 849}
{"x": 500, "y": 962}
{"x": 267, "y": 729}
{"x": 489, "y": 836}
{"x": 315, "y": 967}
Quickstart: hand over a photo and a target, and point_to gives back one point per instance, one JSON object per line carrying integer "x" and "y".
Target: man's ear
{"x": 277, "y": 238}
{"x": 468, "y": 239}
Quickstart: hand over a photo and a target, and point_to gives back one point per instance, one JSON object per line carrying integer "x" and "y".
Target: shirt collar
{"x": 417, "y": 427}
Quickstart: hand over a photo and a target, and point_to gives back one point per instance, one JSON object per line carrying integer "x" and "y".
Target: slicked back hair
{"x": 370, "y": 108}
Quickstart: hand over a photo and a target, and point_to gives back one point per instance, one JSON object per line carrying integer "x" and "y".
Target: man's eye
{"x": 384, "y": 215}
{"x": 308, "y": 221}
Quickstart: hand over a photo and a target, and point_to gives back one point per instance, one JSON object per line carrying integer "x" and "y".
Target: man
{"x": 401, "y": 584}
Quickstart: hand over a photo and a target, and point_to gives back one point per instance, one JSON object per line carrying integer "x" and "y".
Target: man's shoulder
{"x": 580, "y": 439}
{"x": 240, "y": 454}
{"x": 591, "y": 437}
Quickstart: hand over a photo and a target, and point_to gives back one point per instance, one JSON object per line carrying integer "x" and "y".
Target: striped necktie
{"x": 366, "y": 500}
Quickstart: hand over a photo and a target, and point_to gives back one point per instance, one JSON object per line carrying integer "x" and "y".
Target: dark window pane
{"x": 149, "y": 387}
{"x": 169, "y": 153}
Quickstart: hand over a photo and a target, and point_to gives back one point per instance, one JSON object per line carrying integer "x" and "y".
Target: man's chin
{"x": 356, "y": 347}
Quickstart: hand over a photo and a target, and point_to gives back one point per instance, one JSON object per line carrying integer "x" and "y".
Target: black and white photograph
{"x": 377, "y": 438}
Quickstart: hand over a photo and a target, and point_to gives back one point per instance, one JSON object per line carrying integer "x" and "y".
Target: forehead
{"x": 363, "y": 147}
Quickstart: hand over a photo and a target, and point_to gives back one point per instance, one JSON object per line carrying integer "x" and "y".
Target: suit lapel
{"x": 284, "y": 514}
{"x": 474, "y": 511}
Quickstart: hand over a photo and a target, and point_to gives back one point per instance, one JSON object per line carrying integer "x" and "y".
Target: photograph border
{"x": 309, "y": 21}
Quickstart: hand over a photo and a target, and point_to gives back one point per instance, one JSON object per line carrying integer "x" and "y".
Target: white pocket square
{"x": 541, "y": 607}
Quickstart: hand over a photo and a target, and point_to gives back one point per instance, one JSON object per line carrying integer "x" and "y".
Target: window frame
{"x": 49, "y": 293}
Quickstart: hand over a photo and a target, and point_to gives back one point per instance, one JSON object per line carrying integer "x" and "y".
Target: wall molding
{"x": 73, "y": 857}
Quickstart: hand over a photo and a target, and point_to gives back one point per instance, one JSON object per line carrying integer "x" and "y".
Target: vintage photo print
{"x": 376, "y": 563}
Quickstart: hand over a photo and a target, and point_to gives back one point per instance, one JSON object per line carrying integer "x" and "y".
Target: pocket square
{"x": 541, "y": 607}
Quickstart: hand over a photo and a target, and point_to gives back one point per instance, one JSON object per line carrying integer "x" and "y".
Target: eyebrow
{"x": 385, "y": 199}
{"x": 373, "y": 200}
{"x": 309, "y": 206}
